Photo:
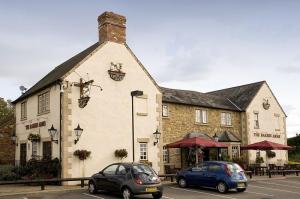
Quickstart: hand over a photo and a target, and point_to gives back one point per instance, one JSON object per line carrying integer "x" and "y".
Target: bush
{"x": 33, "y": 169}
{"x": 259, "y": 160}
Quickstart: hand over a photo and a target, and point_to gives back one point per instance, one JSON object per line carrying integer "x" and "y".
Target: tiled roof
{"x": 58, "y": 72}
{"x": 240, "y": 95}
{"x": 197, "y": 99}
{"x": 228, "y": 137}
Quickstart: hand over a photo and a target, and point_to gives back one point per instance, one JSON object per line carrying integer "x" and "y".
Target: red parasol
{"x": 196, "y": 142}
{"x": 266, "y": 145}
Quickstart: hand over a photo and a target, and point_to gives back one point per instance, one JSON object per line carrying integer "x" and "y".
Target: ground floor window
{"x": 34, "y": 146}
{"x": 235, "y": 152}
{"x": 143, "y": 151}
{"x": 165, "y": 154}
{"x": 47, "y": 150}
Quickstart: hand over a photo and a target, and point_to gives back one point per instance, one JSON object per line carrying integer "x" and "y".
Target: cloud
{"x": 288, "y": 108}
{"x": 292, "y": 69}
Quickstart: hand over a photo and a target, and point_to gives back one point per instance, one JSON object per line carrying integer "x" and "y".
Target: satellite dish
{"x": 22, "y": 89}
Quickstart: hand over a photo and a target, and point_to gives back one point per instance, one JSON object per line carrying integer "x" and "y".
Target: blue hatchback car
{"x": 222, "y": 176}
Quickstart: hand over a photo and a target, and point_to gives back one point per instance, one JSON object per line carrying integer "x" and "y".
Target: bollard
{"x": 42, "y": 185}
{"x": 270, "y": 174}
{"x": 283, "y": 173}
{"x": 297, "y": 174}
{"x": 82, "y": 183}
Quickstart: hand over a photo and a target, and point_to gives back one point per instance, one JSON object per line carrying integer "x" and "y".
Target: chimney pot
{"x": 112, "y": 27}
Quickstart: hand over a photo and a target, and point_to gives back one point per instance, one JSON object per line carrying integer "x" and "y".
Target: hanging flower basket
{"x": 82, "y": 102}
{"x": 34, "y": 137}
{"x": 271, "y": 154}
{"x": 82, "y": 154}
{"x": 121, "y": 153}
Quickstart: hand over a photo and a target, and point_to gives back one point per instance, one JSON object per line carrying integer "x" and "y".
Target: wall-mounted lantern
{"x": 156, "y": 136}
{"x": 216, "y": 138}
{"x": 52, "y": 132}
{"x": 78, "y": 131}
{"x": 14, "y": 139}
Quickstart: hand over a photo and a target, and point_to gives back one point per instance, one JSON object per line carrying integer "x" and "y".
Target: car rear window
{"x": 234, "y": 168}
{"x": 214, "y": 168}
{"x": 143, "y": 169}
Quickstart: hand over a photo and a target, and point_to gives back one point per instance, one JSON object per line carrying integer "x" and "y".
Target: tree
{"x": 6, "y": 110}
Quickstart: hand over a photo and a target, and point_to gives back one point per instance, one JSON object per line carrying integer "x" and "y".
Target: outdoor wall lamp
{"x": 78, "y": 131}
{"x": 14, "y": 139}
{"x": 216, "y": 138}
{"x": 156, "y": 136}
{"x": 52, "y": 132}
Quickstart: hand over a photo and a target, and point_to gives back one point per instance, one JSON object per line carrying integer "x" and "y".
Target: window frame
{"x": 167, "y": 109}
{"x": 237, "y": 154}
{"x": 199, "y": 119}
{"x": 165, "y": 154}
{"x": 44, "y": 107}
{"x": 227, "y": 119}
{"x": 143, "y": 157}
{"x": 24, "y": 110}
{"x": 256, "y": 120}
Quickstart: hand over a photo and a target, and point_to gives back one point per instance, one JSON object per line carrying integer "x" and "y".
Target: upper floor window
{"x": 256, "y": 121}
{"x": 277, "y": 122}
{"x": 143, "y": 151}
{"x": 226, "y": 119}
{"x": 44, "y": 103}
{"x": 165, "y": 110}
{"x": 23, "y": 110}
{"x": 201, "y": 116}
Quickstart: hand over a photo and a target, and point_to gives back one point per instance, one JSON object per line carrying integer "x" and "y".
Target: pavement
{"x": 260, "y": 187}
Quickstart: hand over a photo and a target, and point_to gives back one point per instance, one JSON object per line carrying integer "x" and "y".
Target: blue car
{"x": 222, "y": 176}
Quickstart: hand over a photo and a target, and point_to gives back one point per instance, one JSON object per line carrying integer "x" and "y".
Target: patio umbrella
{"x": 196, "y": 142}
{"x": 266, "y": 145}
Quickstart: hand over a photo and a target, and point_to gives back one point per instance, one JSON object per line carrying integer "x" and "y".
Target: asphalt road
{"x": 264, "y": 189}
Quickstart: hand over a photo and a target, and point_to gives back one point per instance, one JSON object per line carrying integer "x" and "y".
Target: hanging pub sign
{"x": 115, "y": 72}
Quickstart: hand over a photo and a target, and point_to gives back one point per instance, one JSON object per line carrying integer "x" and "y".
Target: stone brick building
{"x": 7, "y": 152}
{"x": 239, "y": 115}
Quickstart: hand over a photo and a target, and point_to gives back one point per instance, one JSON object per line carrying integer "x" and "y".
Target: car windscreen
{"x": 234, "y": 168}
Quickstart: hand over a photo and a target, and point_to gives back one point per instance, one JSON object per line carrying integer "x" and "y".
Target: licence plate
{"x": 151, "y": 189}
{"x": 241, "y": 185}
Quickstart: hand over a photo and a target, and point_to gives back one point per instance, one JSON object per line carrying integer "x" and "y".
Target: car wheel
{"x": 127, "y": 194}
{"x": 157, "y": 195}
{"x": 182, "y": 183}
{"x": 222, "y": 187}
{"x": 92, "y": 187}
{"x": 241, "y": 190}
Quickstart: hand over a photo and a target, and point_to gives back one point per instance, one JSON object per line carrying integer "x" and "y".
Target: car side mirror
{"x": 101, "y": 173}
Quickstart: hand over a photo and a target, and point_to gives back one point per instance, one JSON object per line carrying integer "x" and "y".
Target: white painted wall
{"x": 32, "y": 117}
{"x": 267, "y": 122}
{"x": 106, "y": 119}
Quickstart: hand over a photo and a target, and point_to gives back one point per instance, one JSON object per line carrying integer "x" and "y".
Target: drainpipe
{"x": 60, "y": 128}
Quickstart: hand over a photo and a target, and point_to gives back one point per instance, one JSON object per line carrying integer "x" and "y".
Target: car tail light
{"x": 228, "y": 172}
{"x": 137, "y": 180}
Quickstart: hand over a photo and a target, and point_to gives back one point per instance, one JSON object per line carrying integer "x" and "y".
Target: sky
{"x": 194, "y": 45}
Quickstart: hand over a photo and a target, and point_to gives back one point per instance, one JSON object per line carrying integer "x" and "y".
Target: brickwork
{"x": 7, "y": 148}
{"x": 181, "y": 121}
{"x": 112, "y": 28}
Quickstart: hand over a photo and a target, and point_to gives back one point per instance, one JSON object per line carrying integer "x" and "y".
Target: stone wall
{"x": 181, "y": 120}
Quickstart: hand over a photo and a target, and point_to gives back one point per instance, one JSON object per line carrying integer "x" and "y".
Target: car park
{"x": 222, "y": 176}
{"x": 129, "y": 179}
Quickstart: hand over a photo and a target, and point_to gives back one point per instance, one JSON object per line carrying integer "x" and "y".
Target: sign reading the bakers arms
{"x": 35, "y": 125}
{"x": 266, "y": 135}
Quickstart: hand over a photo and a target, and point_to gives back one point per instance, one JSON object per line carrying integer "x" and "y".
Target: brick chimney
{"x": 112, "y": 27}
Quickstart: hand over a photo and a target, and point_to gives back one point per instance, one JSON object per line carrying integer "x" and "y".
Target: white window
{"x": 143, "y": 151}
{"x": 256, "y": 121}
{"x": 23, "y": 110}
{"x": 277, "y": 122}
{"x": 201, "y": 116}
{"x": 34, "y": 150}
{"x": 235, "y": 152}
{"x": 165, "y": 154}
{"x": 226, "y": 119}
{"x": 44, "y": 103}
{"x": 165, "y": 110}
